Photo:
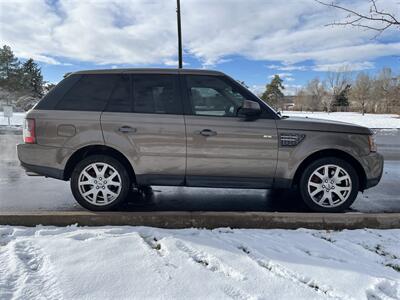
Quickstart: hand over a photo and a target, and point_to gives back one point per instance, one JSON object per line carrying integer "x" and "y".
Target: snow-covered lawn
{"x": 150, "y": 263}
{"x": 368, "y": 120}
{"x": 17, "y": 119}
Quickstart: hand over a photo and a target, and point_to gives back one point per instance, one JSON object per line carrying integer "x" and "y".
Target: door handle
{"x": 127, "y": 129}
{"x": 208, "y": 132}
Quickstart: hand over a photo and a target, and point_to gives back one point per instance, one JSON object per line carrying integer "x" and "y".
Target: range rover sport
{"x": 109, "y": 130}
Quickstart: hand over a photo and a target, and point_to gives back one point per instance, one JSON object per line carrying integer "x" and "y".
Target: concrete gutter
{"x": 208, "y": 220}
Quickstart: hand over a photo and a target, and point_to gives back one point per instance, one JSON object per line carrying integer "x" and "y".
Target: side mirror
{"x": 249, "y": 109}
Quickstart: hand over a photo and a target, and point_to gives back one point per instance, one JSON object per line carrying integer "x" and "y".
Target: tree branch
{"x": 386, "y": 19}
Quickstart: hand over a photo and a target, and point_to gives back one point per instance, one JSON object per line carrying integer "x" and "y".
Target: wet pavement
{"x": 19, "y": 192}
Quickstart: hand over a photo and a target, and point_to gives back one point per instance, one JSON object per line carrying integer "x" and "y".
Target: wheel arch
{"x": 332, "y": 153}
{"x": 84, "y": 152}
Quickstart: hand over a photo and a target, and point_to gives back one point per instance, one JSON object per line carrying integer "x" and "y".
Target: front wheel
{"x": 100, "y": 183}
{"x": 329, "y": 185}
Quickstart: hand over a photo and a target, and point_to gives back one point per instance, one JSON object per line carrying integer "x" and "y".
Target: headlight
{"x": 371, "y": 142}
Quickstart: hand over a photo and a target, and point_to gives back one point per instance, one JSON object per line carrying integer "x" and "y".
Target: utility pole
{"x": 178, "y": 12}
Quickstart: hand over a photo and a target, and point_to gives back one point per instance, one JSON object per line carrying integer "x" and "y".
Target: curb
{"x": 209, "y": 220}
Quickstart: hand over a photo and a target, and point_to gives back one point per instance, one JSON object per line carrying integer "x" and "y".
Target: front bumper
{"x": 373, "y": 167}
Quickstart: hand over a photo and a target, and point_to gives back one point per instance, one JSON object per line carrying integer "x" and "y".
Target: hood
{"x": 311, "y": 124}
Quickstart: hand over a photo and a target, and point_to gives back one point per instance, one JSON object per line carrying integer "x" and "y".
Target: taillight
{"x": 29, "y": 131}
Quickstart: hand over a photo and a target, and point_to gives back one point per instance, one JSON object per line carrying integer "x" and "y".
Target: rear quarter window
{"x": 50, "y": 100}
{"x": 89, "y": 93}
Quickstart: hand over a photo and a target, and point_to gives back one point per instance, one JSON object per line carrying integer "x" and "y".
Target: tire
{"x": 333, "y": 193}
{"x": 107, "y": 183}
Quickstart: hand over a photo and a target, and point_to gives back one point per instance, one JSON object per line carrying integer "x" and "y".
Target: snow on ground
{"x": 368, "y": 120}
{"x": 17, "y": 119}
{"x": 150, "y": 263}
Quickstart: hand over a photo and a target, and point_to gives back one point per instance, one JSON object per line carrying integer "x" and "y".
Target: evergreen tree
{"x": 342, "y": 99}
{"x": 9, "y": 69}
{"x": 32, "y": 79}
{"x": 273, "y": 92}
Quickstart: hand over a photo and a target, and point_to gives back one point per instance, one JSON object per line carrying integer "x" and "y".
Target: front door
{"x": 224, "y": 150}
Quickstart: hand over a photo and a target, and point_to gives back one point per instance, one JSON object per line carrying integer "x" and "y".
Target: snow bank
{"x": 368, "y": 120}
{"x": 143, "y": 263}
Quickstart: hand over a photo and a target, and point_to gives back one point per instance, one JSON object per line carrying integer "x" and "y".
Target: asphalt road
{"x": 19, "y": 192}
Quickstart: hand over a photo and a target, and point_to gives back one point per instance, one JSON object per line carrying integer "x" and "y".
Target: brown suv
{"x": 109, "y": 130}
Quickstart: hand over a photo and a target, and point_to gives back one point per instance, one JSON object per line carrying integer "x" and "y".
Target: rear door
{"x": 225, "y": 150}
{"x": 144, "y": 121}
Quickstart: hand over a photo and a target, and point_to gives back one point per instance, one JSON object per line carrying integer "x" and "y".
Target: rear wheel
{"x": 100, "y": 183}
{"x": 329, "y": 185}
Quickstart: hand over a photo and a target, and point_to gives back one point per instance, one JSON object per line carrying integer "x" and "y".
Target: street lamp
{"x": 178, "y": 12}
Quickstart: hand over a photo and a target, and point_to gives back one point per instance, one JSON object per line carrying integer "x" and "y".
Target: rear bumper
{"x": 32, "y": 170}
{"x": 373, "y": 167}
{"x": 43, "y": 160}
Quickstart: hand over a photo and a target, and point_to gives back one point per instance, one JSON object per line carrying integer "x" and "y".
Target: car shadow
{"x": 207, "y": 199}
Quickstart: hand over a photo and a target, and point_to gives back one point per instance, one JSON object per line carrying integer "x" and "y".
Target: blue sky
{"x": 249, "y": 40}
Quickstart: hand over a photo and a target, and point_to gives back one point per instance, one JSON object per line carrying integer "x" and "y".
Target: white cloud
{"x": 349, "y": 66}
{"x": 144, "y": 32}
{"x": 103, "y": 32}
{"x": 288, "y": 67}
{"x": 257, "y": 89}
{"x": 173, "y": 63}
{"x": 291, "y": 89}
{"x": 285, "y": 76}
{"x": 282, "y": 75}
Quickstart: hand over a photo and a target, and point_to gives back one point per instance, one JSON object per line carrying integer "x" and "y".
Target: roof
{"x": 151, "y": 71}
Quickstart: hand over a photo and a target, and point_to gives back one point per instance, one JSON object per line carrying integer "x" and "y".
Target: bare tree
{"x": 360, "y": 92}
{"x": 301, "y": 100}
{"x": 337, "y": 82}
{"x": 376, "y": 19}
{"x": 385, "y": 90}
{"x": 378, "y": 94}
{"x": 317, "y": 91}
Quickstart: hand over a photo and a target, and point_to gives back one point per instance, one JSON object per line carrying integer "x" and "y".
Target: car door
{"x": 150, "y": 130}
{"x": 224, "y": 150}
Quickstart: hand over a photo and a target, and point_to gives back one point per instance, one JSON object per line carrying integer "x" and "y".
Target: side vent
{"x": 291, "y": 139}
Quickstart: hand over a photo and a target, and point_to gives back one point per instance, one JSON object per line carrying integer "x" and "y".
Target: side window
{"x": 120, "y": 99}
{"x": 90, "y": 93}
{"x": 213, "y": 96}
{"x": 156, "y": 94}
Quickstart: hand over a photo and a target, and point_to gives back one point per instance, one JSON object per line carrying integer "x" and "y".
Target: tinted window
{"x": 213, "y": 96}
{"x": 55, "y": 94}
{"x": 120, "y": 99}
{"x": 90, "y": 93}
{"x": 156, "y": 94}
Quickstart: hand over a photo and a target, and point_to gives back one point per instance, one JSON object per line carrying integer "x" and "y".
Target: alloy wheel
{"x": 99, "y": 183}
{"x": 329, "y": 186}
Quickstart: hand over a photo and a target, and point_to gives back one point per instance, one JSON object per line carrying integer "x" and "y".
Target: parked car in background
{"x": 109, "y": 130}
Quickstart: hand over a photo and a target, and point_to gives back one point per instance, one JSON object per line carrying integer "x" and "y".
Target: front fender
{"x": 290, "y": 158}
